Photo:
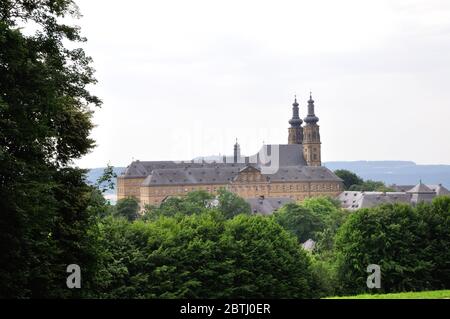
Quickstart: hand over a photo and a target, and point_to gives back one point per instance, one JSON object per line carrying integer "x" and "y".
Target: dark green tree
{"x": 371, "y": 186}
{"x": 194, "y": 202}
{"x": 349, "y": 178}
{"x": 127, "y": 208}
{"x": 300, "y": 221}
{"x": 268, "y": 261}
{"x": 231, "y": 204}
{"x": 45, "y": 122}
{"x": 200, "y": 256}
{"x": 397, "y": 238}
{"x": 436, "y": 240}
{"x": 107, "y": 180}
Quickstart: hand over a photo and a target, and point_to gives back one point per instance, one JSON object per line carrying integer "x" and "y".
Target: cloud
{"x": 183, "y": 77}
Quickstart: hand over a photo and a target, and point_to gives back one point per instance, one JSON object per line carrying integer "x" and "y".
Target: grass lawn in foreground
{"x": 436, "y": 294}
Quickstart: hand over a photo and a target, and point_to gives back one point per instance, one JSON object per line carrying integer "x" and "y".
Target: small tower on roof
{"x": 311, "y": 133}
{"x": 237, "y": 152}
{"x": 296, "y": 130}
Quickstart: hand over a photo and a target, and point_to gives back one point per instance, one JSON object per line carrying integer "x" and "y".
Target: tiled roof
{"x": 421, "y": 189}
{"x": 439, "y": 189}
{"x": 292, "y": 168}
{"x": 355, "y": 200}
{"x": 267, "y": 205}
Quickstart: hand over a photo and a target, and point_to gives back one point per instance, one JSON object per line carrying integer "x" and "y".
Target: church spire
{"x": 295, "y": 121}
{"x": 296, "y": 130}
{"x": 311, "y": 142}
{"x": 311, "y": 118}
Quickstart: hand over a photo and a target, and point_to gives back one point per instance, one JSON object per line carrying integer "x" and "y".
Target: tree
{"x": 127, "y": 208}
{"x": 45, "y": 121}
{"x": 193, "y": 203}
{"x": 397, "y": 238}
{"x": 436, "y": 239}
{"x": 300, "y": 221}
{"x": 311, "y": 217}
{"x": 107, "y": 180}
{"x": 371, "y": 186}
{"x": 268, "y": 261}
{"x": 197, "y": 202}
{"x": 349, "y": 178}
{"x": 322, "y": 206}
{"x": 231, "y": 204}
{"x": 200, "y": 256}
{"x": 353, "y": 182}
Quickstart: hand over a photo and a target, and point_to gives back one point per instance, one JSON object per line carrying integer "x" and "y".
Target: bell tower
{"x": 311, "y": 141}
{"x": 296, "y": 130}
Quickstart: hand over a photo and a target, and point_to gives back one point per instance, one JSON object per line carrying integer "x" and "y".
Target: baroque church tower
{"x": 296, "y": 130}
{"x": 311, "y": 141}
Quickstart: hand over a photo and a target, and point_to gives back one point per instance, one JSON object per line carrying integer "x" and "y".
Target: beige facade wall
{"x": 295, "y": 135}
{"x": 312, "y": 145}
{"x": 129, "y": 187}
{"x": 154, "y": 195}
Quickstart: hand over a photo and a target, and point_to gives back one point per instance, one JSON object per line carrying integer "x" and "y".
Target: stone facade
{"x": 311, "y": 145}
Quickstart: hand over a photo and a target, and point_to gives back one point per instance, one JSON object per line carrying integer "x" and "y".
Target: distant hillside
{"x": 396, "y": 172}
{"x": 95, "y": 173}
{"x": 390, "y": 172}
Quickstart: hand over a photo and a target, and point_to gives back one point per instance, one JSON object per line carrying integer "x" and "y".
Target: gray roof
{"x": 303, "y": 173}
{"x": 439, "y": 189}
{"x": 420, "y": 193}
{"x": 145, "y": 168}
{"x": 223, "y": 174}
{"x": 193, "y": 175}
{"x": 289, "y": 154}
{"x": 401, "y": 188}
{"x": 355, "y": 200}
{"x": 267, "y": 205}
{"x": 421, "y": 189}
{"x": 292, "y": 168}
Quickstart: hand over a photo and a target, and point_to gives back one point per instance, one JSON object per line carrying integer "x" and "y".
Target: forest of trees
{"x": 198, "y": 246}
{"x": 353, "y": 182}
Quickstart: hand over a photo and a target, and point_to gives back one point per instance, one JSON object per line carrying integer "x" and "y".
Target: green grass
{"x": 436, "y": 294}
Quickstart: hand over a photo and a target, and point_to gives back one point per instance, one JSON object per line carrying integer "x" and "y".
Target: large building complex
{"x": 287, "y": 171}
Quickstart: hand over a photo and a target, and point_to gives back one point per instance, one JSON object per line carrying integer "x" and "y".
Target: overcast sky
{"x": 181, "y": 79}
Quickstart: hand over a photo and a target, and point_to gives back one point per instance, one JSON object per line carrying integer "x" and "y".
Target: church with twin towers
{"x": 277, "y": 174}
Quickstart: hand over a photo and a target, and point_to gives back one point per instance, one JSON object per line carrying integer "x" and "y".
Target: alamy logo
{"x": 74, "y": 279}
{"x": 268, "y": 159}
{"x": 374, "y": 279}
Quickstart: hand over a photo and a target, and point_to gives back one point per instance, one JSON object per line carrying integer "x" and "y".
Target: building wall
{"x": 129, "y": 187}
{"x": 312, "y": 145}
{"x": 154, "y": 195}
{"x": 295, "y": 135}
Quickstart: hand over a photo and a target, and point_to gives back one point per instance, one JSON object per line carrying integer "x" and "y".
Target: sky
{"x": 181, "y": 79}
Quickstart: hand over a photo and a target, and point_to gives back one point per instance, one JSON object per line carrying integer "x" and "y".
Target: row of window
{"x": 243, "y": 188}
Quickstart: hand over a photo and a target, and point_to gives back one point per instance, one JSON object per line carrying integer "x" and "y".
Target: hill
{"x": 396, "y": 172}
